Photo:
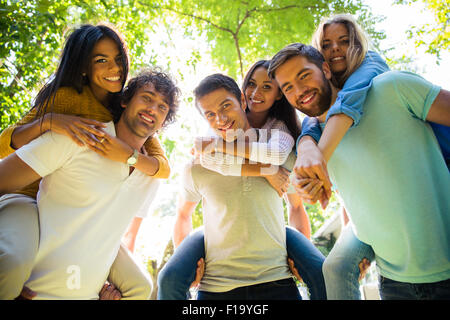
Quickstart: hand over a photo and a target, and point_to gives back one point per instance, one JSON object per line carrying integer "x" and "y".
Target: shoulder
{"x": 398, "y": 77}
{"x": 68, "y": 99}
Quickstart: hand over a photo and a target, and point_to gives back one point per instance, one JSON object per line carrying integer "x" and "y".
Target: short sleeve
{"x": 48, "y": 152}
{"x": 416, "y": 93}
{"x": 188, "y": 190}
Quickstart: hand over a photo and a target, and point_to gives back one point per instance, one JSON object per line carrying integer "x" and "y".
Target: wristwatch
{"x": 131, "y": 161}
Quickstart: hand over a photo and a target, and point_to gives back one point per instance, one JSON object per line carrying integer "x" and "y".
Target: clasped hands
{"x": 311, "y": 179}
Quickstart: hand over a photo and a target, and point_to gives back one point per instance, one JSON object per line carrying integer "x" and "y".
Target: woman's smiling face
{"x": 335, "y": 44}
{"x": 261, "y": 92}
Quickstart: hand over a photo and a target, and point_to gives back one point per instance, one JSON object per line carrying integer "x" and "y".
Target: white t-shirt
{"x": 85, "y": 203}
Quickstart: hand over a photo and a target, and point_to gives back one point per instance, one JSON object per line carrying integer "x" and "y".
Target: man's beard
{"x": 323, "y": 102}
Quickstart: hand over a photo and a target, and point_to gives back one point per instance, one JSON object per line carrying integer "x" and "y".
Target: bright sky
{"x": 156, "y": 230}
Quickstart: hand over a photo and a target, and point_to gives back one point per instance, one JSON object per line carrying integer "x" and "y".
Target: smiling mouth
{"x": 147, "y": 118}
{"x": 227, "y": 127}
{"x": 112, "y": 79}
{"x": 337, "y": 59}
{"x": 307, "y": 98}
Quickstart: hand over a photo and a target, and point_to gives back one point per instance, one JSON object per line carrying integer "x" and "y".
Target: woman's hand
{"x": 279, "y": 181}
{"x": 82, "y": 131}
{"x": 199, "y": 273}
{"x": 112, "y": 148}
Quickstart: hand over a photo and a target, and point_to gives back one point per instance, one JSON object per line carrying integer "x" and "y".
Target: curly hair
{"x": 162, "y": 82}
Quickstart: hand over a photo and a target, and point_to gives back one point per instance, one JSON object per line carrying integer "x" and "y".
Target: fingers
{"x": 27, "y": 294}
{"x": 363, "y": 267}
{"x": 199, "y": 273}
{"x": 109, "y": 292}
{"x": 293, "y": 269}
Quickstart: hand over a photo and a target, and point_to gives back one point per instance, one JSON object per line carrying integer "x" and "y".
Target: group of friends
{"x": 81, "y": 169}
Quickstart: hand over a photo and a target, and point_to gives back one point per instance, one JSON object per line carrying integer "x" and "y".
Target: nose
{"x": 221, "y": 118}
{"x": 115, "y": 66}
{"x": 334, "y": 46}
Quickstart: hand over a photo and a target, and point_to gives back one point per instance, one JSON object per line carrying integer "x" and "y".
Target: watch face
{"x": 133, "y": 159}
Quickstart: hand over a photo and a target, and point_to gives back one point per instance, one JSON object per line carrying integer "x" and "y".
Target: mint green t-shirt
{"x": 394, "y": 181}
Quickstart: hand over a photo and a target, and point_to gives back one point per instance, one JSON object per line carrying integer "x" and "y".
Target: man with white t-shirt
{"x": 85, "y": 200}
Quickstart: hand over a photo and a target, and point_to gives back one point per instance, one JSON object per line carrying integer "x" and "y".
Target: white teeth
{"x": 113, "y": 78}
{"x": 337, "y": 58}
{"x": 147, "y": 119}
{"x": 257, "y": 101}
{"x": 308, "y": 98}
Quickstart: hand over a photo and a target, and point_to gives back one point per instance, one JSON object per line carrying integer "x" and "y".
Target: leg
{"x": 177, "y": 275}
{"x": 126, "y": 275}
{"x": 308, "y": 260}
{"x": 341, "y": 271}
{"x": 19, "y": 241}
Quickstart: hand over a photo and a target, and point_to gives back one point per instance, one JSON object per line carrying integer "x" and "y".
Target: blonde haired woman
{"x": 345, "y": 48}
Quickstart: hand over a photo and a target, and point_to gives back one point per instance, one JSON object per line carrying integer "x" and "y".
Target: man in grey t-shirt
{"x": 244, "y": 228}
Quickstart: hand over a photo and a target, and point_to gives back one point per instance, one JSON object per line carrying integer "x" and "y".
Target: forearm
{"x": 147, "y": 164}
{"x": 271, "y": 151}
{"x": 26, "y": 133}
{"x": 15, "y": 174}
{"x": 129, "y": 238}
{"x": 257, "y": 169}
{"x": 298, "y": 218}
{"x": 334, "y": 131}
{"x": 181, "y": 229}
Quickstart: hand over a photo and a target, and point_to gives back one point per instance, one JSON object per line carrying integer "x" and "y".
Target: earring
{"x": 84, "y": 74}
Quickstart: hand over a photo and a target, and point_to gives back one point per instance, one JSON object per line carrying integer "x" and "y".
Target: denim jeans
{"x": 179, "y": 272}
{"x": 340, "y": 268}
{"x": 285, "y": 289}
{"x": 395, "y": 290}
{"x": 308, "y": 260}
{"x": 177, "y": 275}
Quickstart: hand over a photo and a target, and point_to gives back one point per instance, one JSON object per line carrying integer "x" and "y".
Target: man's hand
{"x": 279, "y": 181}
{"x": 26, "y": 294}
{"x": 200, "y": 273}
{"x": 109, "y": 292}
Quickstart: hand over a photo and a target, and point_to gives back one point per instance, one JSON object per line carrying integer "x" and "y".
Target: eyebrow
{"x": 343, "y": 36}
{"x": 154, "y": 95}
{"x": 224, "y": 101}
{"x": 104, "y": 55}
{"x": 298, "y": 73}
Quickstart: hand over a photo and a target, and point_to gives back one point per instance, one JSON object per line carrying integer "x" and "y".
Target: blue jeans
{"x": 176, "y": 276}
{"x": 179, "y": 272}
{"x": 285, "y": 289}
{"x": 340, "y": 268}
{"x": 395, "y": 290}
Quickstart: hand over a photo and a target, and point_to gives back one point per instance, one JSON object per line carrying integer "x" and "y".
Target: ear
{"x": 123, "y": 105}
{"x": 243, "y": 102}
{"x": 326, "y": 70}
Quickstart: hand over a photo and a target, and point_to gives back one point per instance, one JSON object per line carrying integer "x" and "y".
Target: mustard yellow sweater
{"x": 69, "y": 101}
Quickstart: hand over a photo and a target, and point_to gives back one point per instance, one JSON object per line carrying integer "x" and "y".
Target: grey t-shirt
{"x": 245, "y": 235}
